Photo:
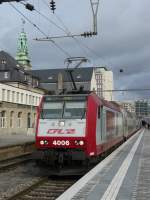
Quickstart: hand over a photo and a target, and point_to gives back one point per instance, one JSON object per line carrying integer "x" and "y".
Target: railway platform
{"x": 11, "y": 140}
{"x": 123, "y": 175}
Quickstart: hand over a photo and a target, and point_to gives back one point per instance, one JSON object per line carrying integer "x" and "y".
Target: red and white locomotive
{"x": 79, "y": 127}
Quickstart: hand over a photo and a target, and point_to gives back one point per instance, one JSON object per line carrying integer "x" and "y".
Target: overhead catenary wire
{"x": 66, "y": 30}
{"x": 79, "y": 42}
{"x": 40, "y": 30}
{"x": 128, "y": 90}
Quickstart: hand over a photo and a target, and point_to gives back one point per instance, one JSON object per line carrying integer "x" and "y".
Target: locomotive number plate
{"x": 61, "y": 142}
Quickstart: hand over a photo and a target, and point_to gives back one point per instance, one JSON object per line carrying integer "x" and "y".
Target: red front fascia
{"x": 91, "y": 118}
{"x": 90, "y": 131}
{"x": 50, "y": 141}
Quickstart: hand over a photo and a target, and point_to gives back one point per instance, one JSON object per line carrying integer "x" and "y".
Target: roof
{"x": 51, "y": 75}
{"x": 10, "y": 62}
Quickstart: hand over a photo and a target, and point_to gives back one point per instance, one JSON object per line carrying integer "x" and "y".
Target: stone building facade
{"x": 104, "y": 81}
{"x": 20, "y": 94}
{"x": 17, "y": 119}
{"x": 18, "y": 108}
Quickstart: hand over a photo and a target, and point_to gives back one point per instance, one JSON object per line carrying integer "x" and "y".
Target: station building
{"x": 142, "y": 108}
{"x": 129, "y": 106}
{"x": 104, "y": 81}
{"x": 20, "y": 92}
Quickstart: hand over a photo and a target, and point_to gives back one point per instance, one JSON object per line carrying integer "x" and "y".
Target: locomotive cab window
{"x": 52, "y": 110}
{"x": 75, "y": 110}
{"x": 66, "y": 107}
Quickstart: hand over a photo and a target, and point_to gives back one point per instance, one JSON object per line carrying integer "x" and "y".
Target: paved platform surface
{"x": 124, "y": 175}
{"x": 9, "y": 140}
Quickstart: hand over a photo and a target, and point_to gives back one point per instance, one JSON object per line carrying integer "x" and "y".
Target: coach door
{"x": 103, "y": 123}
{"x": 98, "y": 126}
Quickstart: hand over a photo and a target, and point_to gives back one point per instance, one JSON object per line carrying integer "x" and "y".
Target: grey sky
{"x": 122, "y": 42}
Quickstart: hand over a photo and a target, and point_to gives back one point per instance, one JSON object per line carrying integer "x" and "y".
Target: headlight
{"x": 42, "y": 142}
{"x": 81, "y": 143}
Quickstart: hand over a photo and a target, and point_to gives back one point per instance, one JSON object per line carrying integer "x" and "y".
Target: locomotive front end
{"x": 61, "y": 129}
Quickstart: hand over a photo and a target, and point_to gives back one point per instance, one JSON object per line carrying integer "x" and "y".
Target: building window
{"x": 13, "y": 96}
{"x": 39, "y": 99}
{"x": 17, "y": 97}
{"x": 26, "y": 99}
{"x": 3, "y": 62}
{"x": 8, "y": 95}
{"x": 11, "y": 119}
{"x": 29, "y": 120}
{"x": 21, "y": 97}
{"x": 36, "y": 101}
{"x": 37, "y": 83}
{"x": 33, "y": 100}
{"x": 34, "y": 120}
{"x": 25, "y": 77}
{"x": 3, "y": 94}
{"x": 6, "y": 75}
{"x": 3, "y": 119}
{"x": 78, "y": 76}
{"x": 29, "y": 99}
{"x": 19, "y": 119}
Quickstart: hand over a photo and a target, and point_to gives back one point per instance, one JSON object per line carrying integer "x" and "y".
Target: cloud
{"x": 122, "y": 41}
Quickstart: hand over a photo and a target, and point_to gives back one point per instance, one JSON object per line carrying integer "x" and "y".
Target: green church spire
{"x": 22, "y": 50}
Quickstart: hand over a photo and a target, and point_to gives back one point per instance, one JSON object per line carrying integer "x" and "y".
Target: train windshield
{"x": 63, "y": 108}
{"x": 52, "y": 110}
{"x": 74, "y": 110}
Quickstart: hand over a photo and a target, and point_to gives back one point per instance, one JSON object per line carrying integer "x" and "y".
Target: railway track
{"x": 44, "y": 189}
{"x": 8, "y": 163}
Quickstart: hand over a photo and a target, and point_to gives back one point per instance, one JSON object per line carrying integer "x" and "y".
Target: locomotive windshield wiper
{"x": 84, "y": 110}
{"x": 63, "y": 110}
